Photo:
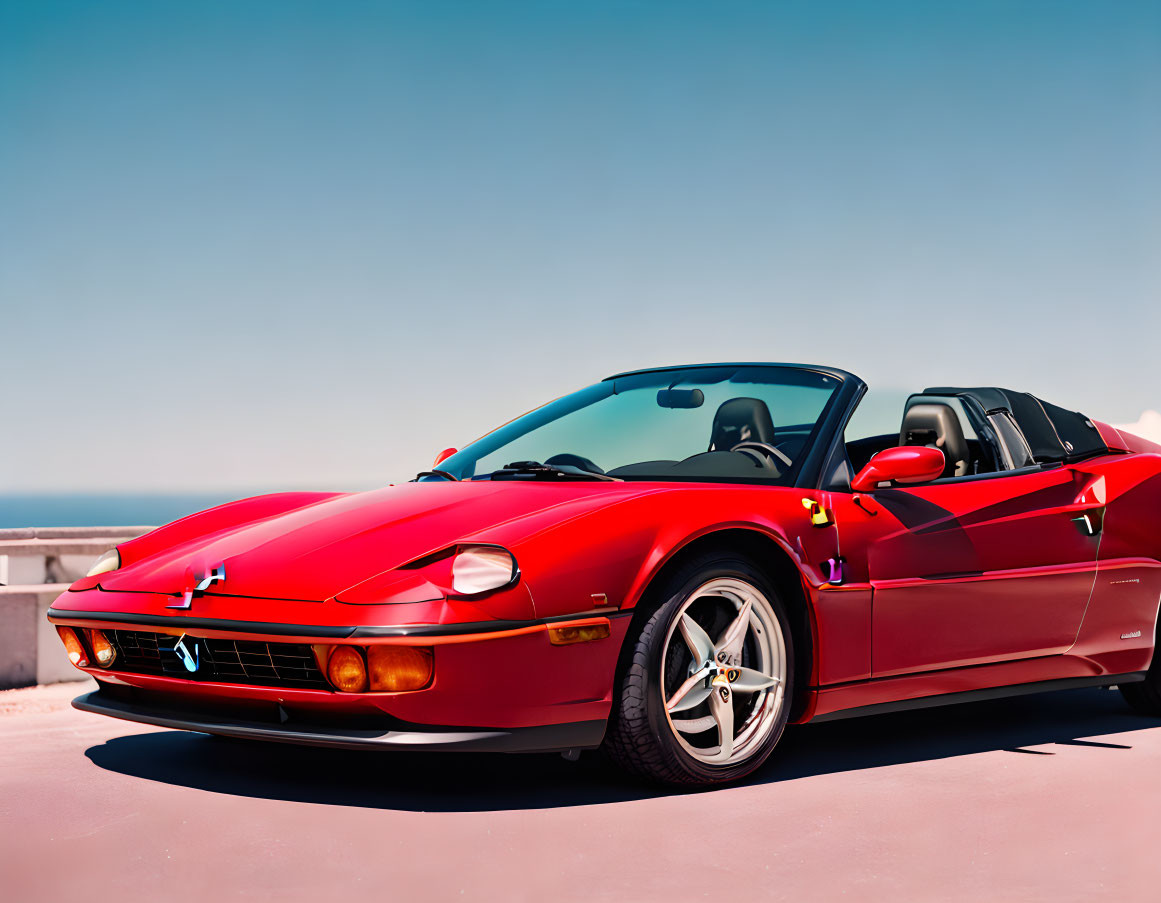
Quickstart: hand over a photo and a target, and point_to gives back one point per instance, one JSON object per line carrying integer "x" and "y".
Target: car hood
{"x": 314, "y": 553}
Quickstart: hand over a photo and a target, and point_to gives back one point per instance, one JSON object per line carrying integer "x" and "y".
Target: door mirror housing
{"x": 444, "y": 455}
{"x": 904, "y": 464}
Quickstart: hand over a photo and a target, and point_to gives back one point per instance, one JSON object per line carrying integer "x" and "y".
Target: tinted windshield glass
{"x": 711, "y": 423}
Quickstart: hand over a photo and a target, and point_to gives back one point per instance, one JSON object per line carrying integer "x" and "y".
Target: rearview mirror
{"x": 904, "y": 464}
{"x": 444, "y": 455}
{"x": 680, "y": 398}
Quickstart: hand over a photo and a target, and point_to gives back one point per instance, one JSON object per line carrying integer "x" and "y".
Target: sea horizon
{"x": 108, "y": 509}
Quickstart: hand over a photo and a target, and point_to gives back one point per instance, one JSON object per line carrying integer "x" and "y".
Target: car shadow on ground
{"x": 475, "y": 783}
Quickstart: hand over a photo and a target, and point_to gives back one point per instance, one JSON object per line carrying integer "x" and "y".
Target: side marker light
{"x": 566, "y": 636}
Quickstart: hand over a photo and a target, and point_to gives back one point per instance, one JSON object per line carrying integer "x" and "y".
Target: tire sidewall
{"x": 676, "y": 592}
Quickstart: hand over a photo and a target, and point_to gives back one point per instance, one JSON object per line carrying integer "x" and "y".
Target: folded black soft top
{"x": 1053, "y": 433}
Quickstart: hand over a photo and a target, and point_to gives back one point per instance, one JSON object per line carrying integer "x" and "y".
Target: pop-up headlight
{"x": 478, "y": 569}
{"x": 110, "y": 561}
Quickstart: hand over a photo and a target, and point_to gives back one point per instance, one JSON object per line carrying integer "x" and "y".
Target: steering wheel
{"x": 761, "y": 452}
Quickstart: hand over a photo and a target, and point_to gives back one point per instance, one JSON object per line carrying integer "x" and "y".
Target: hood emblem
{"x": 201, "y": 582}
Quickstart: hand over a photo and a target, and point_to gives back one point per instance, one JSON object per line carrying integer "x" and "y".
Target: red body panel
{"x": 1120, "y": 440}
{"x": 947, "y": 587}
{"x": 975, "y": 571}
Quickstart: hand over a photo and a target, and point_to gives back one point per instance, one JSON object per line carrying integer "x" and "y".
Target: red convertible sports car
{"x": 672, "y": 564}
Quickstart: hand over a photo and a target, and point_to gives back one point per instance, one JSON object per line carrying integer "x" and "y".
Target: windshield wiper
{"x": 436, "y": 473}
{"x": 538, "y": 471}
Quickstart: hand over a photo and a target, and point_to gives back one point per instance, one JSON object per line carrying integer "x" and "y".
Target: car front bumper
{"x": 494, "y": 681}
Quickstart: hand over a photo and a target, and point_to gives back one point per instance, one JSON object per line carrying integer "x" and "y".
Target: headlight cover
{"x": 110, "y": 561}
{"x": 480, "y": 569}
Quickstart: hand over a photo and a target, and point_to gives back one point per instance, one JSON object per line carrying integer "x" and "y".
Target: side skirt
{"x": 926, "y": 702}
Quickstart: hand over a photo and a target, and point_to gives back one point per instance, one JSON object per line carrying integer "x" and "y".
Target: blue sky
{"x": 282, "y": 244}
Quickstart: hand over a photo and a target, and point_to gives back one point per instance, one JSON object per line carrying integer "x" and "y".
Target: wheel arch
{"x": 776, "y": 562}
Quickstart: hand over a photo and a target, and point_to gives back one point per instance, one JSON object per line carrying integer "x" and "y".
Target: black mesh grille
{"x": 225, "y": 661}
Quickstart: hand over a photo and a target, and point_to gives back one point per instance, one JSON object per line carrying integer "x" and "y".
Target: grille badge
{"x": 191, "y": 662}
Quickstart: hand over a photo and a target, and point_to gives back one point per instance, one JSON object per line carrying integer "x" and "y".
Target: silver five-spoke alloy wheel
{"x": 723, "y": 671}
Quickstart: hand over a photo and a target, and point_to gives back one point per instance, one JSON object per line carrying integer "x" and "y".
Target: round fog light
{"x": 103, "y": 650}
{"x": 346, "y": 669}
{"x": 397, "y": 668}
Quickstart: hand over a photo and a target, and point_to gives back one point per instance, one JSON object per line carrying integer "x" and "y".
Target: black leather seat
{"x": 936, "y": 425}
{"x": 741, "y": 420}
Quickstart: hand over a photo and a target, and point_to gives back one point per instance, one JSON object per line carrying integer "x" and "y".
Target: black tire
{"x": 639, "y": 738}
{"x": 1145, "y": 696}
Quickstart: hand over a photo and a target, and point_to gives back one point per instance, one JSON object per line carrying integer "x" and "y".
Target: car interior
{"x": 741, "y": 426}
{"x": 936, "y": 423}
{"x": 743, "y": 437}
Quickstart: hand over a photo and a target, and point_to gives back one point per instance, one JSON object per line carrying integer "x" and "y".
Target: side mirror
{"x": 444, "y": 455}
{"x": 904, "y": 464}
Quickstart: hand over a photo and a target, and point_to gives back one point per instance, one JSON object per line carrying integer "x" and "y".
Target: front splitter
{"x": 540, "y": 738}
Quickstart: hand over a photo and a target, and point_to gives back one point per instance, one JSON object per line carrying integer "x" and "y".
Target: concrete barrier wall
{"x": 30, "y": 650}
{"x": 36, "y": 566}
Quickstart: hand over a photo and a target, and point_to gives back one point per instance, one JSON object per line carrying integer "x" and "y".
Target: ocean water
{"x": 105, "y": 509}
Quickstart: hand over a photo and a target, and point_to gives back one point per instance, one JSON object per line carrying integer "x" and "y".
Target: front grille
{"x": 224, "y": 661}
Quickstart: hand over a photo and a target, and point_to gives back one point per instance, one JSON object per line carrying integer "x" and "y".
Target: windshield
{"x": 731, "y": 423}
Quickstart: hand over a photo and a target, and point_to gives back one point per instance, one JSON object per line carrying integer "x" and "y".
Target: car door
{"x": 976, "y": 569}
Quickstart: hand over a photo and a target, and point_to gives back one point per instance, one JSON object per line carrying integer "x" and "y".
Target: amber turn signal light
{"x": 73, "y": 647}
{"x": 346, "y": 670}
{"x": 103, "y": 650}
{"x": 566, "y": 636}
{"x": 394, "y": 669}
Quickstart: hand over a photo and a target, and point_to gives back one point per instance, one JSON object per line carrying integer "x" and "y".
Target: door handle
{"x": 1091, "y": 522}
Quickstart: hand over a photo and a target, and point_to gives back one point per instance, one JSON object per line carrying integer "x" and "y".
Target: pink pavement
{"x": 1053, "y": 797}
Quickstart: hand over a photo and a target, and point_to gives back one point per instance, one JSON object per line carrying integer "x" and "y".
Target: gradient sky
{"x": 250, "y": 245}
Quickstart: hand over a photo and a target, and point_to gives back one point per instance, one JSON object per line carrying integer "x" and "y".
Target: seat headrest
{"x": 936, "y": 425}
{"x": 741, "y": 420}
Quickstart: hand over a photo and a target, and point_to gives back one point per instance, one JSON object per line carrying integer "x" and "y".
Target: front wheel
{"x": 706, "y": 693}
